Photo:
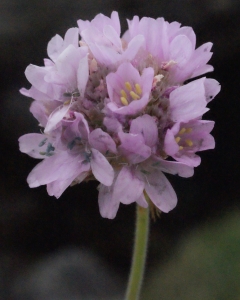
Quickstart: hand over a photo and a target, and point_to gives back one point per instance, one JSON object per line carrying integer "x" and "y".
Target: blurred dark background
{"x": 62, "y": 249}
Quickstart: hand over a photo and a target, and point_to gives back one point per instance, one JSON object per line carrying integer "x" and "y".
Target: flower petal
{"x": 160, "y": 191}
{"x": 127, "y": 188}
{"x": 101, "y": 168}
{"x": 133, "y": 147}
{"x": 108, "y": 206}
{"x": 146, "y": 126}
{"x": 102, "y": 141}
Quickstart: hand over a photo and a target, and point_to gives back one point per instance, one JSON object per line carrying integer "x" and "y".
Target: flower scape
{"x": 116, "y": 109}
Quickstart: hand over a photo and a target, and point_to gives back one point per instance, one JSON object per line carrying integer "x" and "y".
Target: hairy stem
{"x": 139, "y": 254}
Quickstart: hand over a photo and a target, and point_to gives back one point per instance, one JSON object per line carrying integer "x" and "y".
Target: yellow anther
{"x": 138, "y": 89}
{"x": 180, "y": 147}
{"x": 67, "y": 102}
{"x": 128, "y": 86}
{"x": 177, "y": 139}
{"x": 189, "y": 142}
{"x": 124, "y": 101}
{"x": 182, "y": 131}
{"x": 134, "y": 95}
{"x": 123, "y": 93}
{"x": 188, "y": 130}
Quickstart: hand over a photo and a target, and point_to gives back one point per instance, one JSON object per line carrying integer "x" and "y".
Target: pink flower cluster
{"x": 116, "y": 109}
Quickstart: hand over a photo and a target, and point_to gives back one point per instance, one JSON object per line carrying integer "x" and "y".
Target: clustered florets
{"x": 116, "y": 110}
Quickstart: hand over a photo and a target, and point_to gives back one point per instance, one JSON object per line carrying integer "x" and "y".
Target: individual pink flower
{"x": 63, "y": 80}
{"x": 128, "y": 90}
{"x": 76, "y": 151}
{"x": 132, "y": 180}
{"x": 183, "y": 140}
{"x": 172, "y": 47}
{"x": 102, "y": 35}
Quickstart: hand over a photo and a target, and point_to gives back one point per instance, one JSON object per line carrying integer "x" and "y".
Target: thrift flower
{"x": 116, "y": 109}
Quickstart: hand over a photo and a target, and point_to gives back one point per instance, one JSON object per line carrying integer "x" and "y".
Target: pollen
{"x": 134, "y": 95}
{"x": 177, "y": 139}
{"x": 67, "y": 102}
{"x": 180, "y": 148}
{"x": 138, "y": 89}
{"x": 128, "y": 86}
{"x": 123, "y": 93}
{"x": 189, "y": 142}
{"x": 124, "y": 101}
{"x": 188, "y": 130}
{"x": 182, "y": 131}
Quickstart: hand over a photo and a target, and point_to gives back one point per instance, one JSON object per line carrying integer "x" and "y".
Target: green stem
{"x": 139, "y": 254}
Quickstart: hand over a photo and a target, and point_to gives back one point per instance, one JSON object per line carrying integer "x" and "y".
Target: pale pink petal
{"x": 108, "y": 206}
{"x": 127, "y": 188}
{"x": 142, "y": 201}
{"x": 33, "y": 144}
{"x": 170, "y": 145}
{"x": 56, "y": 188}
{"x": 160, "y": 191}
{"x": 212, "y": 88}
{"x": 102, "y": 141}
{"x": 175, "y": 168}
{"x": 133, "y": 147}
{"x": 113, "y": 36}
{"x": 54, "y": 45}
{"x": 35, "y": 94}
{"x": 101, "y": 168}
{"x": 188, "y": 101}
{"x": 56, "y": 117}
{"x": 180, "y": 50}
{"x": 82, "y": 75}
{"x": 133, "y": 48}
{"x": 146, "y": 126}
{"x": 60, "y": 166}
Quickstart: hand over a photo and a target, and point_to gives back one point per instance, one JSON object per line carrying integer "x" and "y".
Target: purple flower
{"x": 117, "y": 110}
{"x": 76, "y": 151}
{"x": 132, "y": 180}
{"x": 102, "y": 35}
{"x": 128, "y": 91}
{"x": 171, "y": 47}
{"x": 183, "y": 140}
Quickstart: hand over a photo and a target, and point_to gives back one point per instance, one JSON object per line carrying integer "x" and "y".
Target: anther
{"x": 124, "y": 101}
{"x": 177, "y": 139}
{"x": 134, "y": 95}
{"x": 182, "y": 131}
{"x": 128, "y": 86}
{"x": 138, "y": 89}
{"x": 188, "y": 130}
{"x": 180, "y": 147}
{"x": 189, "y": 142}
{"x": 67, "y": 102}
{"x": 123, "y": 93}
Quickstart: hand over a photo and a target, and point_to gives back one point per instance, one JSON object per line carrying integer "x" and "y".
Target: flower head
{"x": 117, "y": 110}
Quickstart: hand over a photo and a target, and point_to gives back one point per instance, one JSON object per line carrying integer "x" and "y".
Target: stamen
{"x": 182, "y": 131}
{"x": 177, "y": 139}
{"x": 180, "y": 148}
{"x": 138, "y": 89}
{"x": 128, "y": 86}
{"x": 123, "y": 93}
{"x": 189, "y": 142}
{"x": 134, "y": 95}
{"x": 67, "y": 102}
{"x": 188, "y": 130}
{"x": 124, "y": 101}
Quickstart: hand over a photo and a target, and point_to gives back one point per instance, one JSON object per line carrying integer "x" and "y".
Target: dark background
{"x": 39, "y": 233}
